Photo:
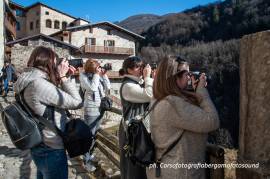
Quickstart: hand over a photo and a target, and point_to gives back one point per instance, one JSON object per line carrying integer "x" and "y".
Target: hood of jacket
{"x": 29, "y": 75}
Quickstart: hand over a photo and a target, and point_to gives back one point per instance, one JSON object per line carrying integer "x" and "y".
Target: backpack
{"x": 139, "y": 147}
{"x": 24, "y": 129}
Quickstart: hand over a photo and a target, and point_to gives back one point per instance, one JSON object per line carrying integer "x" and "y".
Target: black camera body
{"x": 153, "y": 66}
{"x": 76, "y": 63}
{"x": 107, "y": 67}
{"x": 195, "y": 74}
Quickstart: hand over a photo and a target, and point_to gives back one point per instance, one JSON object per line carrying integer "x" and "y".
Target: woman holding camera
{"x": 48, "y": 93}
{"x": 180, "y": 121}
{"x": 95, "y": 84}
{"x": 136, "y": 94}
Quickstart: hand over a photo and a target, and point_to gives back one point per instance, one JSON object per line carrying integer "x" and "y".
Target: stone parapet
{"x": 254, "y": 137}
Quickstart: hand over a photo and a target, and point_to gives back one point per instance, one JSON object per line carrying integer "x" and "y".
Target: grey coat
{"x": 169, "y": 119}
{"x": 39, "y": 93}
{"x": 91, "y": 84}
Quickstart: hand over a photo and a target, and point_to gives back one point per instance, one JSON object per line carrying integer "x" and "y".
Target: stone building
{"x": 104, "y": 41}
{"x": 40, "y": 18}
{"x": 22, "y": 48}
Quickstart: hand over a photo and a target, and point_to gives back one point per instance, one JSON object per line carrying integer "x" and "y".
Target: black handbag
{"x": 77, "y": 137}
{"x": 106, "y": 104}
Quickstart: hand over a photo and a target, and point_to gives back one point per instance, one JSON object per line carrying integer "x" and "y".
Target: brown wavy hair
{"x": 43, "y": 59}
{"x": 91, "y": 65}
{"x": 165, "y": 82}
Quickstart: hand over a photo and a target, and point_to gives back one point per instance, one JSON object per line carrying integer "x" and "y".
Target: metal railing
{"x": 108, "y": 50}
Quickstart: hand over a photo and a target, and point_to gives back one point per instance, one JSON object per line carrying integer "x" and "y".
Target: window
{"x": 64, "y": 25}
{"x": 109, "y": 32}
{"x": 19, "y": 13}
{"x": 47, "y": 13}
{"x": 37, "y": 24}
{"x": 109, "y": 43}
{"x": 37, "y": 13}
{"x": 90, "y": 41}
{"x": 71, "y": 24}
{"x": 18, "y": 26}
{"x": 56, "y": 24}
{"x": 31, "y": 25}
{"x": 48, "y": 23}
{"x": 91, "y": 30}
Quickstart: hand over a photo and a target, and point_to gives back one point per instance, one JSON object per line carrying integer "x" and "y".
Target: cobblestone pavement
{"x": 17, "y": 164}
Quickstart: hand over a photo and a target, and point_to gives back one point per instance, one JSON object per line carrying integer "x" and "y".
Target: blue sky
{"x": 117, "y": 10}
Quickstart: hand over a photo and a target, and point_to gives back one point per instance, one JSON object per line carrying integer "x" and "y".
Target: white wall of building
{"x": 2, "y": 42}
{"x": 100, "y": 34}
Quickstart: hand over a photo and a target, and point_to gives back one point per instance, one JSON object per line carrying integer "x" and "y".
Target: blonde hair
{"x": 91, "y": 65}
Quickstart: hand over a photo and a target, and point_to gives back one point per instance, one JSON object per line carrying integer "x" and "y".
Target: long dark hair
{"x": 130, "y": 63}
{"x": 43, "y": 59}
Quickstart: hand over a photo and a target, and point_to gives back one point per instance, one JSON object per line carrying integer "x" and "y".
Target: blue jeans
{"x": 50, "y": 163}
{"x": 6, "y": 85}
{"x": 92, "y": 122}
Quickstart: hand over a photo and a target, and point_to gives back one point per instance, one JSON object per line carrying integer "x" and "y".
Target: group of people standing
{"x": 179, "y": 113}
{"x": 48, "y": 91}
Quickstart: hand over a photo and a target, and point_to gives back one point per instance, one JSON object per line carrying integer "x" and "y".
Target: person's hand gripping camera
{"x": 201, "y": 82}
{"x": 147, "y": 71}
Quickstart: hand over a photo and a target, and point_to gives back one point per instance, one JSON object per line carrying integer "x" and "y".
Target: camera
{"x": 107, "y": 67}
{"x": 153, "y": 66}
{"x": 196, "y": 75}
{"x": 76, "y": 63}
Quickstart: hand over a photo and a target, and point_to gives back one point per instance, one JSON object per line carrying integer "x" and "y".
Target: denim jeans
{"x": 50, "y": 163}
{"x": 92, "y": 122}
{"x": 6, "y": 85}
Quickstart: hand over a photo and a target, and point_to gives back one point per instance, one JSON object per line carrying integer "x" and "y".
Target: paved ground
{"x": 17, "y": 164}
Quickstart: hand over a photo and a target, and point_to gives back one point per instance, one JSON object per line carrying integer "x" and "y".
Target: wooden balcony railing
{"x": 108, "y": 50}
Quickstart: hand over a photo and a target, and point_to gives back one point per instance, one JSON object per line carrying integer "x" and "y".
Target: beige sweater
{"x": 169, "y": 119}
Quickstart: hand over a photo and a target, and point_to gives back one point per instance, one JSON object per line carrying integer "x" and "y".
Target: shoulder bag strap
{"x": 39, "y": 119}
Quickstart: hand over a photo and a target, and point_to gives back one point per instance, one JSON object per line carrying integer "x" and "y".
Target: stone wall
{"x": 20, "y": 54}
{"x": 254, "y": 137}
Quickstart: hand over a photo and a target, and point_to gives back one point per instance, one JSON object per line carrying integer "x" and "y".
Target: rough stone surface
{"x": 20, "y": 54}
{"x": 254, "y": 141}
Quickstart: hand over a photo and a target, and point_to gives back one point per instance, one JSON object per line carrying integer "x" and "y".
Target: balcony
{"x": 108, "y": 50}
